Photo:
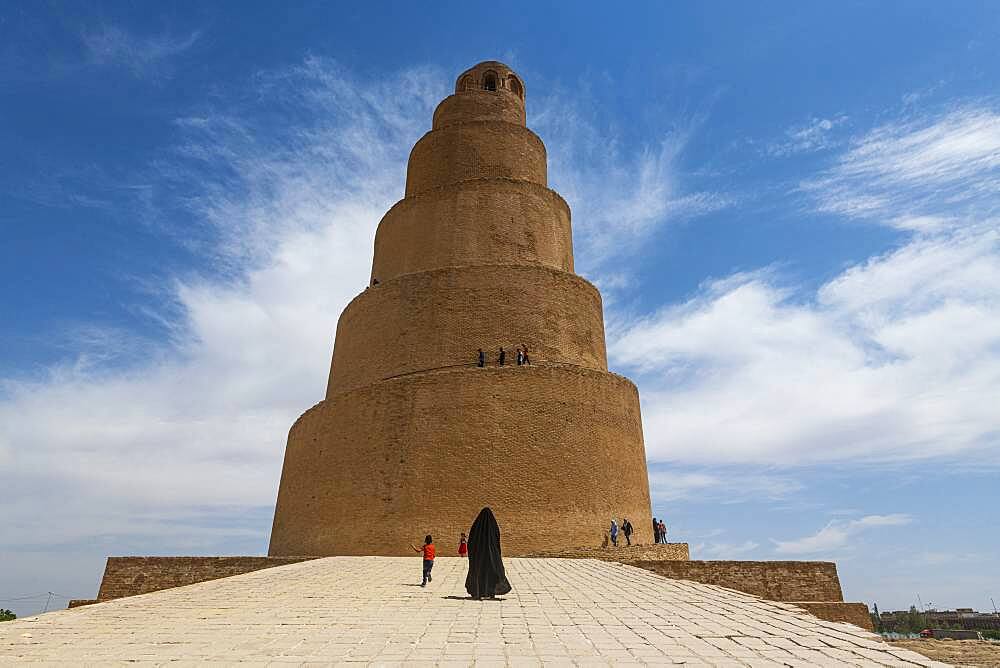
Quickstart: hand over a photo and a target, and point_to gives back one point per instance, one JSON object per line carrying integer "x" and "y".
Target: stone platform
{"x": 362, "y": 610}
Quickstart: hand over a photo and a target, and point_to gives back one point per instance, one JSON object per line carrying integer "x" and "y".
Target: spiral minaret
{"x": 413, "y": 437}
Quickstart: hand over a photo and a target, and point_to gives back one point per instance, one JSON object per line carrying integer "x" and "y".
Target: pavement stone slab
{"x": 370, "y": 611}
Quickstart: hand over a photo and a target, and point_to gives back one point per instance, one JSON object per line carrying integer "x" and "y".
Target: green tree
{"x": 913, "y": 622}
{"x": 6, "y": 615}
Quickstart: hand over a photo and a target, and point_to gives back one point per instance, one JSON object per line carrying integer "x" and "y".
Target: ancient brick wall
{"x": 555, "y": 451}
{"x": 438, "y": 319}
{"x": 413, "y": 438}
{"x": 478, "y": 105}
{"x": 476, "y": 150}
{"x": 835, "y": 611}
{"x": 129, "y": 576}
{"x": 624, "y": 554}
{"x": 80, "y": 602}
{"x": 774, "y": 580}
{"x": 482, "y": 221}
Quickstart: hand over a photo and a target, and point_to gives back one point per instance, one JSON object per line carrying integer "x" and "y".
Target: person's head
{"x": 428, "y": 540}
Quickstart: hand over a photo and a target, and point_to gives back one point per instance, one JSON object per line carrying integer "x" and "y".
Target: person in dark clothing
{"x": 482, "y": 359}
{"x": 486, "y": 578}
{"x": 503, "y": 356}
{"x": 520, "y": 357}
{"x": 524, "y": 357}
{"x": 656, "y": 531}
{"x": 627, "y": 530}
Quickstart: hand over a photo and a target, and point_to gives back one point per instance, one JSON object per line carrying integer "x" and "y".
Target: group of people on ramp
{"x": 487, "y": 578}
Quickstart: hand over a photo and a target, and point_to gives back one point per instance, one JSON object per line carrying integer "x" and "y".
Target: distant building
{"x": 960, "y": 618}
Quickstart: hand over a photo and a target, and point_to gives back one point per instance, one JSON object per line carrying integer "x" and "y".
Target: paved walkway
{"x": 372, "y": 610}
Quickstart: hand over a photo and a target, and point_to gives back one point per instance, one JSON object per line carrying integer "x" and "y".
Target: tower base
{"x": 555, "y": 450}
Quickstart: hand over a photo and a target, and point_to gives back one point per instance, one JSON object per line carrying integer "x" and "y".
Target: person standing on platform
{"x": 428, "y": 550}
{"x": 524, "y": 356}
{"x": 520, "y": 357}
{"x": 486, "y": 578}
{"x": 656, "y": 531}
{"x": 663, "y": 532}
{"x": 482, "y": 359}
{"x": 614, "y": 532}
{"x": 627, "y": 530}
{"x": 463, "y": 546}
{"x": 503, "y": 356}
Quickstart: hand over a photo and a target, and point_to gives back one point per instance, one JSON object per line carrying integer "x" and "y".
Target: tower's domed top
{"x": 490, "y": 75}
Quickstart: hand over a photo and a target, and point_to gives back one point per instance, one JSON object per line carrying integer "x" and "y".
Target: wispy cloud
{"x": 837, "y": 534}
{"x": 721, "y": 485}
{"x": 619, "y": 199}
{"x": 896, "y": 358}
{"x": 99, "y": 443}
{"x": 725, "y": 550}
{"x": 140, "y": 54}
{"x": 815, "y": 135}
{"x": 910, "y": 170}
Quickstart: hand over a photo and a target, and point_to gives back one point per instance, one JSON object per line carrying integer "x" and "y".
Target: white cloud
{"x": 913, "y": 170}
{"x": 198, "y": 427}
{"x": 112, "y": 45}
{"x": 619, "y": 200}
{"x": 812, "y": 136}
{"x": 836, "y": 534}
{"x": 719, "y": 485}
{"x": 896, "y": 358}
{"x": 724, "y": 550}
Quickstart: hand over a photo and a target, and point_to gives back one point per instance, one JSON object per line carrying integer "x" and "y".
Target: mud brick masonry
{"x": 414, "y": 438}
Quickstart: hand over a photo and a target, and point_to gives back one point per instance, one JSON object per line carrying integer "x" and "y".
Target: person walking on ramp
{"x": 428, "y": 550}
{"x": 486, "y": 578}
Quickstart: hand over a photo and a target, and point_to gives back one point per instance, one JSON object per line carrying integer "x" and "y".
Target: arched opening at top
{"x": 467, "y": 83}
{"x": 515, "y": 86}
{"x": 490, "y": 81}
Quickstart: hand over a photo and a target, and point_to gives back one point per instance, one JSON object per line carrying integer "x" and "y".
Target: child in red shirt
{"x": 463, "y": 546}
{"x": 428, "y": 550}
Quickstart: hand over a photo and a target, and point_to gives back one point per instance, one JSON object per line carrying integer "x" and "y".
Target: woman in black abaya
{"x": 486, "y": 577}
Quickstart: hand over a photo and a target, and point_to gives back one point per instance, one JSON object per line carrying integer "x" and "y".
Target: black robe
{"x": 486, "y": 575}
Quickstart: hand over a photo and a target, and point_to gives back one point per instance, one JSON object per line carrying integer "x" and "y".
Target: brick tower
{"x": 413, "y": 437}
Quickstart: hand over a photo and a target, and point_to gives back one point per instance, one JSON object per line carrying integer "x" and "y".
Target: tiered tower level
{"x": 412, "y": 437}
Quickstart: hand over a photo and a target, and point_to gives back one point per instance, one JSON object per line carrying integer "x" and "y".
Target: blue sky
{"x": 792, "y": 212}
